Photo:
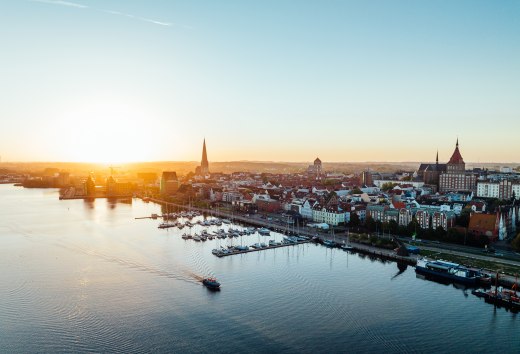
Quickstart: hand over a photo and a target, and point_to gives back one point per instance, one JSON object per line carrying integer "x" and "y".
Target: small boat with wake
{"x": 211, "y": 283}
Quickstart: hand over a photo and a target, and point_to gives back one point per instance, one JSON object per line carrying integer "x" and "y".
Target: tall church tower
{"x": 204, "y": 165}
{"x": 456, "y": 163}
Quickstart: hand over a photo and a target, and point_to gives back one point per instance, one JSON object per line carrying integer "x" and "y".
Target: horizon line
{"x": 242, "y": 161}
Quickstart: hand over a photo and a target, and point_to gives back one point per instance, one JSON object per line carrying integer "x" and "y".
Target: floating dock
{"x": 232, "y": 253}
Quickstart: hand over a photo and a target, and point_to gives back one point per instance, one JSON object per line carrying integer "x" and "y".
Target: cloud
{"x": 62, "y": 3}
{"x": 117, "y": 13}
{"x": 137, "y": 17}
{"x": 154, "y": 21}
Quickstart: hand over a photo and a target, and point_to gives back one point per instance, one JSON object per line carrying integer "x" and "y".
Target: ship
{"x": 448, "y": 271}
{"x": 211, "y": 283}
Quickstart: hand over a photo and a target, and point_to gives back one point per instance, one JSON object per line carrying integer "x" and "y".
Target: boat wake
{"x": 186, "y": 276}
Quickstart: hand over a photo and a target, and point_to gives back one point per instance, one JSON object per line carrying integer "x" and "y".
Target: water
{"x": 87, "y": 277}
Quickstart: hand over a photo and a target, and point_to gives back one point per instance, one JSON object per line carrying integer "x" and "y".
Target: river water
{"x": 81, "y": 276}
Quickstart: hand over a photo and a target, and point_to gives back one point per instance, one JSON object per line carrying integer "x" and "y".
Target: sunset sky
{"x": 118, "y": 81}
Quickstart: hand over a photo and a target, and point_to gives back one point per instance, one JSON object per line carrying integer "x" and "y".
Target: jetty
{"x": 232, "y": 252}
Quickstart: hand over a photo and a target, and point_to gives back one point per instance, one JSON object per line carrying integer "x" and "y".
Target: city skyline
{"x": 115, "y": 82}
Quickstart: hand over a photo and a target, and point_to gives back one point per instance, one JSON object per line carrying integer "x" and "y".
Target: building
{"x": 315, "y": 170}
{"x": 405, "y": 216}
{"x": 306, "y": 209}
{"x": 455, "y": 178}
{"x": 444, "y": 219}
{"x": 485, "y": 225}
{"x": 90, "y": 187}
{"x": 203, "y": 169}
{"x": 430, "y": 172}
{"x": 423, "y": 218}
{"x": 503, "y": 189}
{"x": 118, "y": 189}
{"x": 366, "y": 178}
{"x": 169, "y": 183}
{"x": 331, "y": 215}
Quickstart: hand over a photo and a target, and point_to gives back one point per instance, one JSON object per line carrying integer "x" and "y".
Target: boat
{"x": 211, "y": 283}
{"x": 448, "y": 271}
{"x": 264, "y": 232}
{"x": 500, "y": 297}
{"x": 226, "y": 221}
{"x": 197, "y": 238}
{"x": 346, "y": 247}
{"x": 329, "y": 243}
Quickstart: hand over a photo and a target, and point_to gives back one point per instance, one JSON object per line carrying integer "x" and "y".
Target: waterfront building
{"x": 118, "y": 189}
{"x": 90, "y": 187}
{"x": 230, "y": 196}
{"x": 405, "y": 217}
{"x": 307, "y": 207}
{"x": 169, "y": 183}
{"x": 376, "y": 212}
{"x": 423, "y": 218}
{"x": 331, "y": 215}
{"x": 484, "y": 224}
{"x": 444, "y": 219}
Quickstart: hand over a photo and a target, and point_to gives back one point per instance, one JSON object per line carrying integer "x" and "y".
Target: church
{"x": 203, "y": 169}
{"x": 448, "y": 177}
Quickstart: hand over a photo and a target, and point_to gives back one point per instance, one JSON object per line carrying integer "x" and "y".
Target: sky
{"x": 119, "y": 81}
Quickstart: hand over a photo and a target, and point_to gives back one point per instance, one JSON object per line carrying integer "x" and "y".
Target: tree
{"x": 370, "y": 224}
{"x": 357, "y": 191}
{"x": 516, "y": 242}
{"x": 388, "y": 185}
{"x": 393, "y": 227}
{"x": 354, "y": 219}
{"x": 413, "y": 226}
{"x": 463, "y": 219}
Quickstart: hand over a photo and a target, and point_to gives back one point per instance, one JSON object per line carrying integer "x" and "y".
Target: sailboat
{"x": 347, "y": 246}
{"x": 330, "y": 243}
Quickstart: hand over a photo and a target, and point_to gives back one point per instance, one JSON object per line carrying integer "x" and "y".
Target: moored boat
{"x": 448, "y": 271}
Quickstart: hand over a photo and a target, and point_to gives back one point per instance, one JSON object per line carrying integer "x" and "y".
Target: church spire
{"x": 437, "y": 158}
{"x": 204, "y": 165}
{"x": 457, "y": 145}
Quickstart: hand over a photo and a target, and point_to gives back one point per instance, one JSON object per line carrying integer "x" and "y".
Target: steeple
{"x": 437, "y": 158}
{"x": 457, "y": 145}
{"x": 204, "y": 165}
{"x": 204, "y": 162}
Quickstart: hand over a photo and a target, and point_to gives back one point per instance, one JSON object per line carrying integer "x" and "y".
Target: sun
{"x": 108, "y": 133}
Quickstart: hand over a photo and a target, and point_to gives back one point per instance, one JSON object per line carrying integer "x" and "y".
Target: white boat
{"x": 264, "y": 232}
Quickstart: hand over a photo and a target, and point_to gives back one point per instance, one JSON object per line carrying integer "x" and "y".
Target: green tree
{"x": 413, "y": 226}
{"x": 516, "y": 242}
{"x": 370, "y": 224}
{"x": 387, "y": 186}
{"x": 393, "y": 227}
{"x": 354, "y": 219}
{"x": 463, "y": 218}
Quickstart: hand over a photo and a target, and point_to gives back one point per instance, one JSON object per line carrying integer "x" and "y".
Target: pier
{"x": 232, "y": 253}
